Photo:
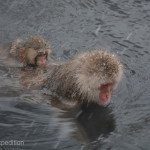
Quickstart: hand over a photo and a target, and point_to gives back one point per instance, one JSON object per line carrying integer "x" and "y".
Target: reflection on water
{"x": 70, "y": 27}
{"x": 95, "y": 121}
{"x": 40, "y": 125}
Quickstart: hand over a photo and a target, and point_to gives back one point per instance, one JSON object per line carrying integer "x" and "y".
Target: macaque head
{"x": 99, "y": 75}
{"x": 35, "y": 51}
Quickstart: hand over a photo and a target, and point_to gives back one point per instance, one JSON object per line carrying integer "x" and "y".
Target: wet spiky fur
{"x": 37, "y": 43}
{"x": 32, "y": 46}
{"x": 79, "y": 79}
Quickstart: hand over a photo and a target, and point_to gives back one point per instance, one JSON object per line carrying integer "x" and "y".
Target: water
{"x": 123, "y": 27}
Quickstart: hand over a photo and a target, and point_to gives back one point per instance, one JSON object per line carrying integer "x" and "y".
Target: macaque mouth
{"x": 105, "y": 92}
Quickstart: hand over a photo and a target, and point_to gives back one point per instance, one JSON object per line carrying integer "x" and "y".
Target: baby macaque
{"x": 32, "y": 52}
{"x": 91, "y": 76}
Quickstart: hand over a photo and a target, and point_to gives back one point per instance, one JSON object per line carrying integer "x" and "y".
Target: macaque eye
{"x": 105, "y": 86}
{"x": 38, "y": 49}
{"x": 41, "y": 54}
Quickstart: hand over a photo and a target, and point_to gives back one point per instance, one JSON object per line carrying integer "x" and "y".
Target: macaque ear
{"x": 22, "y": 52}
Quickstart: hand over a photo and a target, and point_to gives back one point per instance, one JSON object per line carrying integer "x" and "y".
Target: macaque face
{"x": 105, "y": 93}
{"x": 32, "y": 57}
{"x": 41, "y": 59}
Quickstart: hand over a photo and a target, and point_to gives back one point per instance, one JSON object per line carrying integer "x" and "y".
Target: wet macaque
{"x": 91, "y": 76}
{"x": 32, "y": 52}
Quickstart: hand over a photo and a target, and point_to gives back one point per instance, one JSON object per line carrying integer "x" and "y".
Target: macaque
{"x": 91, "y": 76}
{"x": 32, "y": 52}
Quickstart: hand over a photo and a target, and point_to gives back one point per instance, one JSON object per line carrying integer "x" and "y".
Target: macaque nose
{"x": 107, "y": 96}
{"x": 43, "y": 61}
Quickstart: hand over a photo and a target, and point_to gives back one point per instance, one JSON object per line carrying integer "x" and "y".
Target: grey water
{"x": 71, "y": 27}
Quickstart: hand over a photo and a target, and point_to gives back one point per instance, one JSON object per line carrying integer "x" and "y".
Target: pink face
{"x": 41, "y": 59}
{"x": 105, "y": 92}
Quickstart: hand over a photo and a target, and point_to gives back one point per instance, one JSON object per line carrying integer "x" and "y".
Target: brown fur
{"x": 79, "y": 79}
{"x": 32, "y": 46}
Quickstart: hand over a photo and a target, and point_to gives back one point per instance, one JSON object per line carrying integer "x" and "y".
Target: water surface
{"x": 123, "y": 27}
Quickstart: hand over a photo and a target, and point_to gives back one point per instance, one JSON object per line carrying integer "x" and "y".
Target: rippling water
{"x": 71, "y": 26}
